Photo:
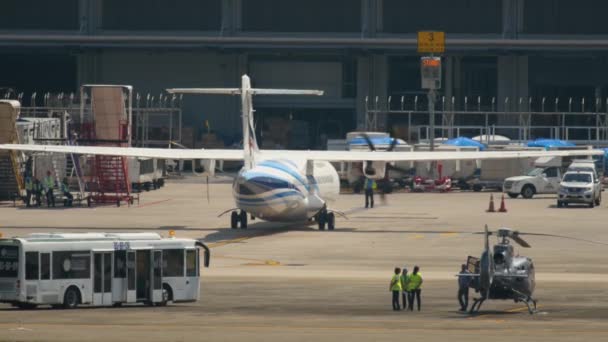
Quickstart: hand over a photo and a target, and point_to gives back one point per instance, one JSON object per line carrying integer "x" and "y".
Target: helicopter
{"x": 500, "y": 274}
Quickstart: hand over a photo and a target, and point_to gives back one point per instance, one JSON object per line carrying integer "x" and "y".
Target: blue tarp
{"x": 547, "y": 143}
{"x": 375, "y": 141}
{"x": 464, "y": 141}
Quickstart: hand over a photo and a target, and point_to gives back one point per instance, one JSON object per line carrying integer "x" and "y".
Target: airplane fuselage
{"x": 280, "y": 190}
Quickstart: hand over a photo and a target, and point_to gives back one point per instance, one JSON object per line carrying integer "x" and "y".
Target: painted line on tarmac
{"x": 252, "y": 262}
{"x": 228, "y": 242}
{"x": 152, "y": 203}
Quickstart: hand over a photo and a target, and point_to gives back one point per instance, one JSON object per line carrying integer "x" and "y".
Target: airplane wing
{"x": 354, "y": 156}
{"x": 332, "y": 156}
{"x": 137, "y": 152}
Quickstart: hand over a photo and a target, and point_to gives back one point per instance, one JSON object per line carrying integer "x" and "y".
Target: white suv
{"x": 579, "y": 187}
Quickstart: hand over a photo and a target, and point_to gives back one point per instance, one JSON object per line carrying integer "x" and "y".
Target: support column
{"x": 512, "y": 84}
{"x": 372, "y": 81}
{"x": 88, "y": 68}
{"x": 90, "y": 16}
{"x": 231, "y": 17}
{"x": 371, "y": 17}
{"x": 447, "y": 107}
{"x": 512, "y": 18}
{"x": 362, "y": 90}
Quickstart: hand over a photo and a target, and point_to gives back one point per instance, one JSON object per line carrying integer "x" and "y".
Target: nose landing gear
{"x": 326, "y": 218}
{"x": 237, "y": 218}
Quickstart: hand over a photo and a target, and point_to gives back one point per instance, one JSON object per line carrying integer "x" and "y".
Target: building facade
{"x": 352, "y": 49}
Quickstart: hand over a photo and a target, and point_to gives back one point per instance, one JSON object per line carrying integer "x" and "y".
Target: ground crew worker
{"x": 29, "y": 185}
{"x": 37, "y": 191}
{"x": 65, "y": 189}
{"x": 414, "y": 287}
{"x": 49, "y": 183}
{"x": 395, "y": 288}
{"x": 405, "y": 279}
{"x": 464, "y": 280}
{"x": 370, "y": 185}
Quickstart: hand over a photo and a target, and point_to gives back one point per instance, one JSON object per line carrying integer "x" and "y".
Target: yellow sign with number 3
{"x": 431, "y": 42}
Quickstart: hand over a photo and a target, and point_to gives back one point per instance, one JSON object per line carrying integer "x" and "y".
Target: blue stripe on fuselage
{"x": 275, "y": 164}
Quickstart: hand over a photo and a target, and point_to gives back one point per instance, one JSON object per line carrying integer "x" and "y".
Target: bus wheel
{"x": 71, "y": 299}
{"x": 166, "y": 296}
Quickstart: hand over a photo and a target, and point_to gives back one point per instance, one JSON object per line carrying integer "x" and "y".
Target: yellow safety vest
{"x": 396, "y": 281}
{"x": 405, "y": 280}
{"x": 415, "y": 282}
{"x": 49, "y": 182}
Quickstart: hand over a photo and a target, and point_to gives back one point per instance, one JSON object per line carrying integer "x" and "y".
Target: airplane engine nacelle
{"x": 374, "y": 170}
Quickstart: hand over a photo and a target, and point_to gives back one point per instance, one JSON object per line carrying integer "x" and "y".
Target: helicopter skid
{"x": 476, "y": 305}
{"x": 531, "y": 303}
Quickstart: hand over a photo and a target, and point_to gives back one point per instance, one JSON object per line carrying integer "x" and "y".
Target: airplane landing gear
{"x": 238, "y": 218}
{"x": 243, "y": 219}
{"x": 326, "y": 218}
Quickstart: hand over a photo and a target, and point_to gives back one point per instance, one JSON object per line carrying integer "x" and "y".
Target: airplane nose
{"x": 255, "y": 183}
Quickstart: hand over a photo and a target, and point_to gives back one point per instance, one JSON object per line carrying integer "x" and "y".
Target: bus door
{"x": 156, "y": 276}
{"x": 131, "y": 277}
{"x": 102, "y": 278}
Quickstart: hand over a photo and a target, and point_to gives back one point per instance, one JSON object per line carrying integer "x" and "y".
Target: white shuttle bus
{"x": 99, "y": 269}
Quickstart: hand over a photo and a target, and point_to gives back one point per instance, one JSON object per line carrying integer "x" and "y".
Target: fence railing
{"x": 157, "y": 119}
{"x": 530, "y": 118}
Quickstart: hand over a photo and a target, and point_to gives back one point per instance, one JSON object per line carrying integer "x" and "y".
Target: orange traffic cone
{"x": 503, "y": 208}
{"x": 491, "y": 207}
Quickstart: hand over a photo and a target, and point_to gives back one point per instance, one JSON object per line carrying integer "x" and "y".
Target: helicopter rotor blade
{"x": 550, "y": 235}
{"x": 565, "y": 237}
{"x": 515, "y": 237}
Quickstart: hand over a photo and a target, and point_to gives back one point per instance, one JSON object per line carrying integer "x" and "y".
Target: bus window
{"x": 31, "y": 265}
{"x": 45, "y": 266}
{"x": 173, "y": 263}
{"x": 120, "y": 264}
{"x": 9, "y": 261}
{"x": 72, "y": 265}
{"x": 191, "y": 263}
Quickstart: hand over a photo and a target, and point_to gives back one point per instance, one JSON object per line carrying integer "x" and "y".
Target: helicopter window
{"x": 499, "y": 259}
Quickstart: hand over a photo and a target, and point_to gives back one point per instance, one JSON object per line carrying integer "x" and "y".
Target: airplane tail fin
{"x": 250, "y": 144}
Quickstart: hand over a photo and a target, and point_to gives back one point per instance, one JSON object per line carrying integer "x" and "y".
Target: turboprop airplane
{"x": 285, "y": 185}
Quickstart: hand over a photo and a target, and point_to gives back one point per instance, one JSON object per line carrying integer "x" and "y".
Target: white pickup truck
{"x": 579, "y": 187}
{"x": 543, "y": 179}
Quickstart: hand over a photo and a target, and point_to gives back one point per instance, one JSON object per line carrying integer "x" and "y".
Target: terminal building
{"x": 351, "y": 49}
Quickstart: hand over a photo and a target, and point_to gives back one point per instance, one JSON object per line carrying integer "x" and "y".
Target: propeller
{"x": 369, "y": 169}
